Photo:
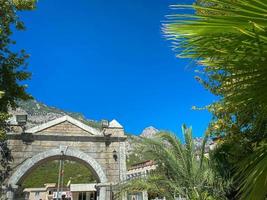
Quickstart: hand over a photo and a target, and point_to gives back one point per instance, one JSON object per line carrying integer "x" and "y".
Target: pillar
{"x": 145, "y": 195}
{"x": 101, "y": 192}
{"x": 10, "y": 195}
{"x": 10, "y": 192}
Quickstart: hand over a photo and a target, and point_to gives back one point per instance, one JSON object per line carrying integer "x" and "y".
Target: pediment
{"x": 64, "y": 125}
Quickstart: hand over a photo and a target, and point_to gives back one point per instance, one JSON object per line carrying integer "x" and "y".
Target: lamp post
{"x": 104, "y": 123}
{"x": 21, "y": 119}
{"x": 59, "y": 174}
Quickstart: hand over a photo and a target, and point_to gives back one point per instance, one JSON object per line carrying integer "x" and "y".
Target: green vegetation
{"x": 38, "y": 109}
{"x": 227, "y": 39}
{"x": 180, "y": 170}
{"x": 136, "y": 155}
{"x": 12, "y": 70}
{"x": 48, "y": 173}
{"x": 13, "y": 64}
{"x": 134, "y": 158}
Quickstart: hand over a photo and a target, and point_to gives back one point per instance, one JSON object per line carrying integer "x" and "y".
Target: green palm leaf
{"x": 253, "y": 175}
{"x": 228, "y": 40}
{"x": 180, "y": 170}
{"x": 233, "y": 40}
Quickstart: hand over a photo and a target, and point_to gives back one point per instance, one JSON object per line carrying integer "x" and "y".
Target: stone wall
{"x": 96, "y": 149}
{"x": 32, "y": 148}
{"x": 64, "y": 127}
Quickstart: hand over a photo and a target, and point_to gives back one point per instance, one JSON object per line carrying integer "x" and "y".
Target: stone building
{"x": 102, "y": 151}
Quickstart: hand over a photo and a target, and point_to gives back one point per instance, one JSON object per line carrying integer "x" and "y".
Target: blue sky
{"x": 109, "y": 59}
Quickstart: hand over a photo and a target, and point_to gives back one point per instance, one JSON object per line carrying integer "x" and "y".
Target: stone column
{"x": 122, "y": 165}
{"x": 122, "y": 161}
{"x": 101, "y": 192}
{"x": 145, "y": 195}
{"x": 102, "y": 195}
{"x": 10, "y": 195}
{"x": 10, "y": 192}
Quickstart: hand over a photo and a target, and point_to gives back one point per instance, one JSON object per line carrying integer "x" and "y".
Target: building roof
{"x": 115, "y": 124}
{"x": 82, "y": 187}
{"x": 143, "y": 164}
{"x": 43, "y": 189}
{"x": 50, "y": 185}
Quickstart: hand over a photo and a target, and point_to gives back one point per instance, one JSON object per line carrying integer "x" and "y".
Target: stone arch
{"x": 68, "y": 152}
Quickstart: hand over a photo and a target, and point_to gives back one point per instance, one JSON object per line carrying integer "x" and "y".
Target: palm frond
{"x": 226, "y": 36}
{"x": 179, "y": 171}
{"x": 253, "y": 174}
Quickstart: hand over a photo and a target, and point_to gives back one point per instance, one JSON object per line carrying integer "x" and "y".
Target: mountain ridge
{"x": 39, "y": 113}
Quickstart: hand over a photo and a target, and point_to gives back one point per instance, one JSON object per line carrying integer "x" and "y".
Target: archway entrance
{"x": 71, "y": 172}
{"x": 62, "y": 152}
{"x": 103, "y": 151}
{"x": 65, "y": 179}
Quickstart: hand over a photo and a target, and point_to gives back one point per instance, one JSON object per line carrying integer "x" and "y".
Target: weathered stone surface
{"x": 95, "y": 151}
{"x": 64, "y": 127}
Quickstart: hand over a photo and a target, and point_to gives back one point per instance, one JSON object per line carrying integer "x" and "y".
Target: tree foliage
{"x": 12, "y": 64}
{"x": 253, "y": 172}
{"x": 230, "y": 47}
{"x": 12, "y": 69}
{"x": 228, "y": 40}
{"x": 180, "y": 170}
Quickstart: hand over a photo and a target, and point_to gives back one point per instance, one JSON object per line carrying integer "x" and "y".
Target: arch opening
{"x": 51, "y": 165}
{"x": 68, "y": 153}
{"x": 73, "y": 172}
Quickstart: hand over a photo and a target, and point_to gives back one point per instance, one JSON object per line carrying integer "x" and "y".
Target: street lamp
{"x": 104, "y": 123}
{"x": 21, "y": 119}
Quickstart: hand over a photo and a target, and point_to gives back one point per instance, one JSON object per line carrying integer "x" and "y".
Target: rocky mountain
{"x": 149, "y": 132}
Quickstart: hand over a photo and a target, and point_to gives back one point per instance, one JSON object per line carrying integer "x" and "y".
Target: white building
{"x": 140, "y": 170}
{"x": 74, "y": 192}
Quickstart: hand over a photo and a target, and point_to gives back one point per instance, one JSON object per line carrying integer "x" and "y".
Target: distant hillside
{"x": 48, "y": 173}
{"x": 132, "y": 150}
{"x": 39, "y": 113}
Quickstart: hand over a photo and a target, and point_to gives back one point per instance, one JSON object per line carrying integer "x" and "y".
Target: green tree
{"x": 12, "y": 69}
{"x": 12, "y": 64}
{"x": 228, "y": 40}
{"x": 181, "y": 170}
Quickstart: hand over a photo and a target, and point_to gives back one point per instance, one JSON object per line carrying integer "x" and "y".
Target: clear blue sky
{"x": 109, "y": 59}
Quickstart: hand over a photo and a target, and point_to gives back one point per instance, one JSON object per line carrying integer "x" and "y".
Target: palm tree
{"x": 252, "y": 174}
{"x": 228, "y": 39}
{"x": 181, "y": 170}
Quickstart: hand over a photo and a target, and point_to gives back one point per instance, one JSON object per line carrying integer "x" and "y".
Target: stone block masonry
{"x": 73, "y": 140}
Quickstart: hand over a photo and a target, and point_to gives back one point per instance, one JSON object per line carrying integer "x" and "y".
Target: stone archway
{"x": 70, "y": 153}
